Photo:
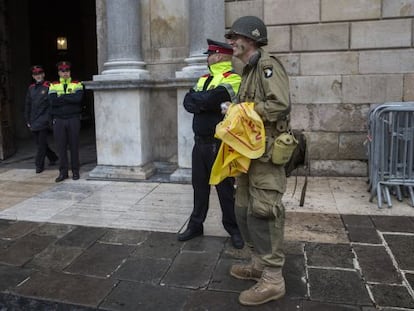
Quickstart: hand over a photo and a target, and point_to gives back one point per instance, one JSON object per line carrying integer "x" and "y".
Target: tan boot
{"x": 250, "y": 271}
{"x": 271, "y": 286}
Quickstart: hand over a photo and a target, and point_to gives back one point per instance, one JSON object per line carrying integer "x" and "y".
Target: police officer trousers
{"x": 66, "y": 133}
{"x": 260, "y": 213}
{"x": 43, "y": 149}
{"x": 203, "y": 156}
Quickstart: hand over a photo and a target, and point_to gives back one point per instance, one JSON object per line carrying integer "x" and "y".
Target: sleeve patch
{"x": 268, "y": 71}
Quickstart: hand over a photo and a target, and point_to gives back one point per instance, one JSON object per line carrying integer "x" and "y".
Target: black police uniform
{"x": 37, "y": 115}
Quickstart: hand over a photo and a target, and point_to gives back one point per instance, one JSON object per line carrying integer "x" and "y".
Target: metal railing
{"x": 391, "y": 152}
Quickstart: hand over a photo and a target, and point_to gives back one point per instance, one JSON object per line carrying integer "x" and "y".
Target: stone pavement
{"x": 107, "y": 245}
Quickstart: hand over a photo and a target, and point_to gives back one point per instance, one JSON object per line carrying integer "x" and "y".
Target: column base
{"x": 181, "y": 175}
{"x": 125, "y": 173}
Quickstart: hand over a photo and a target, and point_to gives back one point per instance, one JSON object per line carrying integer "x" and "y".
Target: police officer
{"x": 204, "y": 102}
{"x": 66, "y": 97}
{"x": 37, "y": 117}
{"x": 259, "y": 210}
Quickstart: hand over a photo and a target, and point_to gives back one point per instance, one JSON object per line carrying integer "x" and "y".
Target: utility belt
{"x": 201, "y": 139}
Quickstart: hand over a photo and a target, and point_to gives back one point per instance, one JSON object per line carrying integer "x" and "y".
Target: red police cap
{"x": 218, "y": 47}
{"x": 64, "y": 65}
{"x": 37, "y": 69}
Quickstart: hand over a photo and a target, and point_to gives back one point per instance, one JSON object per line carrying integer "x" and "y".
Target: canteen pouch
{"x": 283, "y": 148}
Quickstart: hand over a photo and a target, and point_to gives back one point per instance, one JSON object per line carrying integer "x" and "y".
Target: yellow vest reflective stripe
{"x": 71, "y": 87}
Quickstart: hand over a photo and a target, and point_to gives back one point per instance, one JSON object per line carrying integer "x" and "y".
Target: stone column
{"x": 122, "y": 98}
{"x": 206, "y": 20}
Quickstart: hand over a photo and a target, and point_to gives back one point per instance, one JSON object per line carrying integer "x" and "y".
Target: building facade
{"x": 342, "y": 56}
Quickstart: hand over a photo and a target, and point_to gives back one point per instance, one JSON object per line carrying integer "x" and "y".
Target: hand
{"x": 224, "y": 107}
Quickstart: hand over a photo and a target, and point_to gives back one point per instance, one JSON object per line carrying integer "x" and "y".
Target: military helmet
{"x": 251, "y": 27}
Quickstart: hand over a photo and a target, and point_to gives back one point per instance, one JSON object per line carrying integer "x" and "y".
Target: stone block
{"x": 279, "y": 39}
{"x": 331, "y": 63}
{"x": 408, "y": 87}
{"x": 278, "y": 12}
{"x": 316, "y": 89}
{"x": 392, "y": 8}
{"x": 290, "y": 62}
{"x": 337, "y": 10}
{"x": 351, "y": 146}
{"x": 319, "y": 37}
{"x": 236, "y": 9}
{"x": 379, "y": 34}
{"x": 330, "y": 118}
{"x": 395, "y": 61}
{"x": 338, "y": 168}
{"x": 323, "y": 146}
{"x": 372, "y": 88}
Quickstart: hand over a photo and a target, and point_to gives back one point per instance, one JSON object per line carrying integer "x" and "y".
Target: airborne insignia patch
{"x": 268, "y": 71}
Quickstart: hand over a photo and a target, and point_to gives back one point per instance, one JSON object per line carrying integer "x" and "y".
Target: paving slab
{"x": 393, "y": 223}
{"x": 66, "y": 288}
{"x": 55, "y": 257}
{"x": 329, "y": 255}
{"x": 144, "y": 270}
{"x": 360, "y": 221}
{"x": 100, "y": 260}
{"x": 82, "y": 237}
{"x": 132, "y": 296}
{"x": 402, "y": 247}
{"x": 12, "y": 276}
{"x": 18, "y": 229}
{"x": 372, "y": 259}
{"x": 337, "y": 286}
{"x": 313, "y": 227}
{"x": 122, "y": 236}
{"x": 191, "y": 270}
{"x": 23, "y": 250}
{"x": 410, "y": 279}
{"x": 392, "y": 296}
{"x": 295, "y": 276}
{"x": 10, "y": 301}
{"x": 364, "y": 235}
{"x": 158, "y": 245}
{"x": 222, "y": 280}
{"x": 318, "y": 306}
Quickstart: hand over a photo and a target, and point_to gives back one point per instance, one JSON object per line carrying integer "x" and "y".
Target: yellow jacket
{"x": 243, "y": 138}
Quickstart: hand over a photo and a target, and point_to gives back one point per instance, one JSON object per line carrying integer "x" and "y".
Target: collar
{"x": 67, "y": 81}
{"x": 220, "y": 67}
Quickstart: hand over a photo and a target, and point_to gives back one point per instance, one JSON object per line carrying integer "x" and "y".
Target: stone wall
{"x": 343, "y": 56}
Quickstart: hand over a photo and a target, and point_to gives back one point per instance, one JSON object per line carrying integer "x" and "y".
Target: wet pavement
{"x": 107, "y": 245}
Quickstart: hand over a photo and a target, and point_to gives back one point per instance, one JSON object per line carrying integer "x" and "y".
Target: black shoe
{"x": 237, "y": 241}
{"x": 39, "y": 170}
{"x": 75, "y": 176}
{"x": 61, "y": 177}
{"x": 190, "y": 233}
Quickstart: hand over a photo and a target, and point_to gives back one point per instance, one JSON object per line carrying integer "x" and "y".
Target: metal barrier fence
{"x": 391, "y": 152}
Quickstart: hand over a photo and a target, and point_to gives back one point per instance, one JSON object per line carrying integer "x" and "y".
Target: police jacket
{"x": 205, "y": 98}
{"x": 65, "y": 98}
{"x": 36, "y": 110}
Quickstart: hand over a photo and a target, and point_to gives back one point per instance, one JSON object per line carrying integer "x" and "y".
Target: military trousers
{"x": 260, "y": 212}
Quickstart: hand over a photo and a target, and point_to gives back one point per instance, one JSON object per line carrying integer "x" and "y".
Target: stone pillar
{"x": 122, "y": 99}
{"x": 206, "y": 20}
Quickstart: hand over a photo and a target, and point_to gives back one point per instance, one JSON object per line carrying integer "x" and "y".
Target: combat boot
{"x": 250, "y": 271}
{"x": 271, "y": 286}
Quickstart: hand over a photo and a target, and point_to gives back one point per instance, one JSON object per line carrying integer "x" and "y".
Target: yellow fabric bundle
{"x": 243, "y": 138}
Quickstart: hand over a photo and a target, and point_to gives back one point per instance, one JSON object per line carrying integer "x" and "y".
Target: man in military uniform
{"x": 259, "y": 210}
{"x": 37, "y": 117}
{"x": 66, "y": 98}
{"x": 204, "y": 102}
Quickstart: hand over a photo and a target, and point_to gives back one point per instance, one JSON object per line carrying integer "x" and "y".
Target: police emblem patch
{"x": 268, "y": 72}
